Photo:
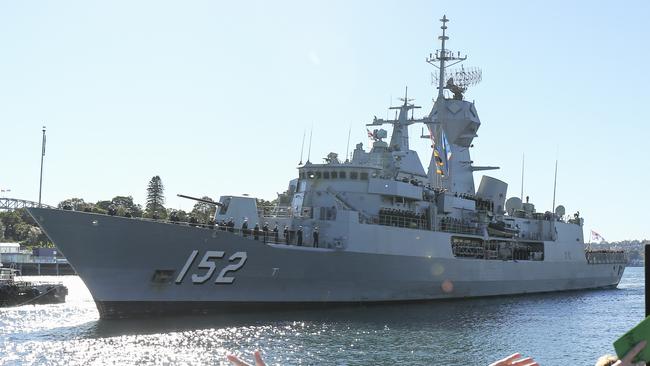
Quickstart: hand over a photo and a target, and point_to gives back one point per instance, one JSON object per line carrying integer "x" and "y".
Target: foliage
{"x": 18, "y": 226}
{"x": 103, "y": 205}
{"x": 266, "y": 206}
{"x": 155, "y": 199}
{"x": 262, "y": 203}
{"x": 125, "y": 204}
{"x": 203, "y": 211}
{"x": 77, "y": 204}
{"x": 177, "y": 215}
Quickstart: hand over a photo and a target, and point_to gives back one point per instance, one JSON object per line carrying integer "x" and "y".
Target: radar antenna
{"x": 457, "y": 81}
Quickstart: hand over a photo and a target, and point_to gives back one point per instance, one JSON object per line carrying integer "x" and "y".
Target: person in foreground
{"x": 237, "y": 362}
{"x": 609, "y": 360}
{"x": 512, "y": 360}
{"x": 515, "y": 360}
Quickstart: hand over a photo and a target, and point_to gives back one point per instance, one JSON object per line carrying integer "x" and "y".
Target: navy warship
{"x": 375, "y": 227}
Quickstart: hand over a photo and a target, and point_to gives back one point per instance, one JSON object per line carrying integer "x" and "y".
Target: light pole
{"x": 40, "y": 187}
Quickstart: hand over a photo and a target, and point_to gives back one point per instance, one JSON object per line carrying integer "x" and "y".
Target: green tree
{"x": 19, "y": 226}
{"x": 77, "y": 204}
{"x": 124, "y": 204}
{"x": 181, "y": 215}
{"x": 29, "y": 235}
{"x": 266, "y": 206}
{"x": 10, "y": 221}
{"x": 203, "y": 211}
{"x": 102, "y": 206}
{"x": 155, "y": 199}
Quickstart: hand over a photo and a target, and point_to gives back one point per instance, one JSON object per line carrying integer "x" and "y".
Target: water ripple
{"x": 568, "y": 328}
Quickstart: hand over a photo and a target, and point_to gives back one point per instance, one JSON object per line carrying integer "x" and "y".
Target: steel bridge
{"x": 11, "y": 204}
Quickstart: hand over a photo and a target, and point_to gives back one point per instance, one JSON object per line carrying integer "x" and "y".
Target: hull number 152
{"x": 209, "y": 264}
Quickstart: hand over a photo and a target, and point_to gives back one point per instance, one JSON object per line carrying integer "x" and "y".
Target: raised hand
{"x": 237, "y": 362}
{"x": 515, "y": 360}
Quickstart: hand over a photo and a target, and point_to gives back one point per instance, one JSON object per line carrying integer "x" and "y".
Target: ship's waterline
{"x": 563, "y": 328}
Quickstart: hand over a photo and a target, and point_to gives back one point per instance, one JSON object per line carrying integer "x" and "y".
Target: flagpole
{"x": 40, "y": 186}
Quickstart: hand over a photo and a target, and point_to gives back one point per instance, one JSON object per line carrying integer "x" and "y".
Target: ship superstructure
{"x": 373, "y": 227}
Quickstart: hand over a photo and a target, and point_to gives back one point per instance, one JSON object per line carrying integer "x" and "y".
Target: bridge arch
{"x": 11, "y": 204}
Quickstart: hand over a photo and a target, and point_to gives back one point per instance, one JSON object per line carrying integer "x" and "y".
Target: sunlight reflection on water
{"x": 554, "y": 328}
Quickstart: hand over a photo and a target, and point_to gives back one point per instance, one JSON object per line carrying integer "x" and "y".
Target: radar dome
{"x": 512, "y": 204}
{"x": 560, "y": 211}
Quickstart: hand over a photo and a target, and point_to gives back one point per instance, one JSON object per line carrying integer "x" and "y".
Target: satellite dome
{"x": 512, "y": 204}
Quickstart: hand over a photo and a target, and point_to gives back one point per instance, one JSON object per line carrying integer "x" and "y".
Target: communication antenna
{"x": 456, "y": 81}
{"x": 406, "y": 98}
{"x": 554, "y": 184}
{"x": 523, "y": 157}
{"x": 302, "y": 148}
{"x": 347, "y": 150}
{"x": 40, "y": 185}
{"x": 390, "y": 102}
{"x": 311, "y": 132}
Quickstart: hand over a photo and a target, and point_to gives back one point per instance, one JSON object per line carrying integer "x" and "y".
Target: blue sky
{"x": 215, "y": 96}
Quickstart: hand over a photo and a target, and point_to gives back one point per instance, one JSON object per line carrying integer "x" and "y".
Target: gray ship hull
{"x": 135, "y": 267}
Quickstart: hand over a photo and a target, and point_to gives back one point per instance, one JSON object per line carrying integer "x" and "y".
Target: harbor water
{"x": 556, "y": 329}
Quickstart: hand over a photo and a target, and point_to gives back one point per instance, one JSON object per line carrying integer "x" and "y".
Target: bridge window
{"x": 364, "y": 176}
{"x": 326, "y": 175}
{"x": 318, "y": 175}
{"x": 311, "y": 175}
{"x": 334, "y": 175}
{"x": 342, "y": 175}
{"x": 354, "y": 175}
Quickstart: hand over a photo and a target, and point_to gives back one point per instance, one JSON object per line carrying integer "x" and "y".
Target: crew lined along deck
{"x": 477, "y": 248}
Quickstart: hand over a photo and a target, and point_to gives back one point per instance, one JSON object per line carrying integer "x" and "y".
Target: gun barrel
{"x": 200, "y": 200}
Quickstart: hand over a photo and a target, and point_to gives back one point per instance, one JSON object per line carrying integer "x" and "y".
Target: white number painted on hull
{"x": 207, "y": 263}
{"x": 231, "y": 267}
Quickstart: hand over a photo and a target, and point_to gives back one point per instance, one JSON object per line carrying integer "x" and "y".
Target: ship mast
{"x": 399, "y": 140}
{"x": 457, "y": 81}
{"x": 443, "y": 56}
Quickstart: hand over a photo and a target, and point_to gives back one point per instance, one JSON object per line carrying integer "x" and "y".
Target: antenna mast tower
{"x": 457, "y": 81}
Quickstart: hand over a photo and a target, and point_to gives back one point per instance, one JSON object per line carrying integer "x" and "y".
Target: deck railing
{"x": 459, "y": 227}
{"x": 605, "y": 257}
